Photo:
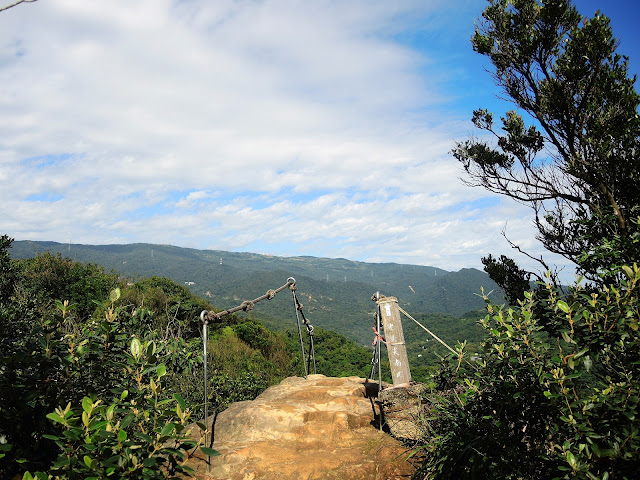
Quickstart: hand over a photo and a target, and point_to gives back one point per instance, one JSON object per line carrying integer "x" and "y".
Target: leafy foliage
{"x": 111, "y": 364}
{"x": 7, "y": 270}
{"x": 555, "y": 391}
{"x": 576, "y": 165}
{"x": 163, "y": 306}
{"x": 513, "y": 280}
{"x": 61, "y": 359}
{"x": 48, "y": 277}
{"x": 538, "y": 406}
{"x": 138, "y": 434}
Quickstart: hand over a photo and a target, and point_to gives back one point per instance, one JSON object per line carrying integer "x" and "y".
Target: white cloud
{"x": 318, "y": 128}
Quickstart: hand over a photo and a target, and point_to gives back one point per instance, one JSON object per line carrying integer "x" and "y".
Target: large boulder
{"x": 314, "y": 428}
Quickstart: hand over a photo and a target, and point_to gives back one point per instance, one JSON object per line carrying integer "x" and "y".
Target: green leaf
{"x": 87, "y": 405}
{"x": 210, "y": 452}
{"x": 588, "y": 363}
{"x": 27, "y": 476}
{"x": 126, "y": 421}
{"x": 180, "y": 401}
{"x": 87, "y": 460}
{"x": 55, "y": 417}
{"x": 110, "y": 411}
{"x": 99, "y": 425}
{"x": 144, "y": 437}
{"x": 136, "y": 348}
{"x": 151, "y": 349}
{"x": 162, "y": 370}
{"x": 566, "y": 337}
{"x": 114, "y": 295}
{"x": 122, "y": 436}
{"x": 579, "y": 354}
{"x": 167, "y": 429}
{"x": 563, "y": 306}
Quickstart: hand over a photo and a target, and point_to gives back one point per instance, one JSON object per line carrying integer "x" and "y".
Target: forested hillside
{"x": 336, "y": 293}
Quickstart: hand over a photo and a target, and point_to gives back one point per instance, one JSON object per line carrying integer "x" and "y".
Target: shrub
{"x": 543, "y": 405}
{"x": 139, "y": 434}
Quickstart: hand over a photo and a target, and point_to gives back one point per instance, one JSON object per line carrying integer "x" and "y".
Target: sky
{"x": 281, "y": 127}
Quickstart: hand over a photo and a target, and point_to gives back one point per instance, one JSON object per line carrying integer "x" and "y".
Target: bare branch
{"x": 2, "y": 9}
{"x": 553, "y": 272}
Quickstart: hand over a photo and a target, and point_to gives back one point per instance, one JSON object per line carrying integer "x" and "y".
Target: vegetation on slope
{"x": 555, "y": 392}
{"x": 98, "y": 372}
{"x": 336, "y": 292}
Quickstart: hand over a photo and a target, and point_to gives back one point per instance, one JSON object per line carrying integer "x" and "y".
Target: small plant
{"x": 139, "y": 434}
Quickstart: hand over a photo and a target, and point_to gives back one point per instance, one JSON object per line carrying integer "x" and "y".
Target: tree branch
{"x": 2, "y": 9}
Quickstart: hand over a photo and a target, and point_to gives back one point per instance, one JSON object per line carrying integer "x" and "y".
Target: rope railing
{"x": 207, "y": 317}
{"x": 247, "y": 305}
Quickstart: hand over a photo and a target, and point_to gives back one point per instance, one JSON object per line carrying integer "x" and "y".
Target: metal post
{"x": 304, "y": 360}
{"x": 206, "y": 396}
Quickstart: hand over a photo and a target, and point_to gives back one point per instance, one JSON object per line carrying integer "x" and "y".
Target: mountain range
{"x": 336, "y": 293}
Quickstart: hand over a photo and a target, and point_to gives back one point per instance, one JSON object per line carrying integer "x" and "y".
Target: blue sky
{"x": 284, "y": 127}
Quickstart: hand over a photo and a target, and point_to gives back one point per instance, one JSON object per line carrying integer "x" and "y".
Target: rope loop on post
{"x": 207, "y": 317}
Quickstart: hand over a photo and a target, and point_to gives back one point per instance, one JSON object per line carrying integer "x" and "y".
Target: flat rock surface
{"x": 311, "y": 429}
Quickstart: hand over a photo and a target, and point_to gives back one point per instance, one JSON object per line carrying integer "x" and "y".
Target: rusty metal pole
{"x": 396, "y": 347}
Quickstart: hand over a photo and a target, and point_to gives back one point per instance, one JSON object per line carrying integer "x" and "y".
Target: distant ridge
{"x": 336, "y": 293}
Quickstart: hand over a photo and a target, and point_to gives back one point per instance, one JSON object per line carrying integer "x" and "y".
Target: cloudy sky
{"x": 318, "y": 127}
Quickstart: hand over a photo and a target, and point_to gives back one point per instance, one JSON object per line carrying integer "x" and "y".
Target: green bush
{"x": 545, "y": 405}
{"x": 138, "y": 433}
{"x": 48, "y": 277}
{"x": 61, "y": 359}
{"x": 163, "y": 306}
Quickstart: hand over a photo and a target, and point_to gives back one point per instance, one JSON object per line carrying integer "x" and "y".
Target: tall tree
{"x": 575, "y": 162}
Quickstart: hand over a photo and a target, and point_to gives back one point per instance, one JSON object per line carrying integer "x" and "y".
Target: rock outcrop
{"x": 311, "y": 429}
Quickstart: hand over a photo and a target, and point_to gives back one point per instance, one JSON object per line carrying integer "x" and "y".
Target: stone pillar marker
{"x": 396, "y": 347}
